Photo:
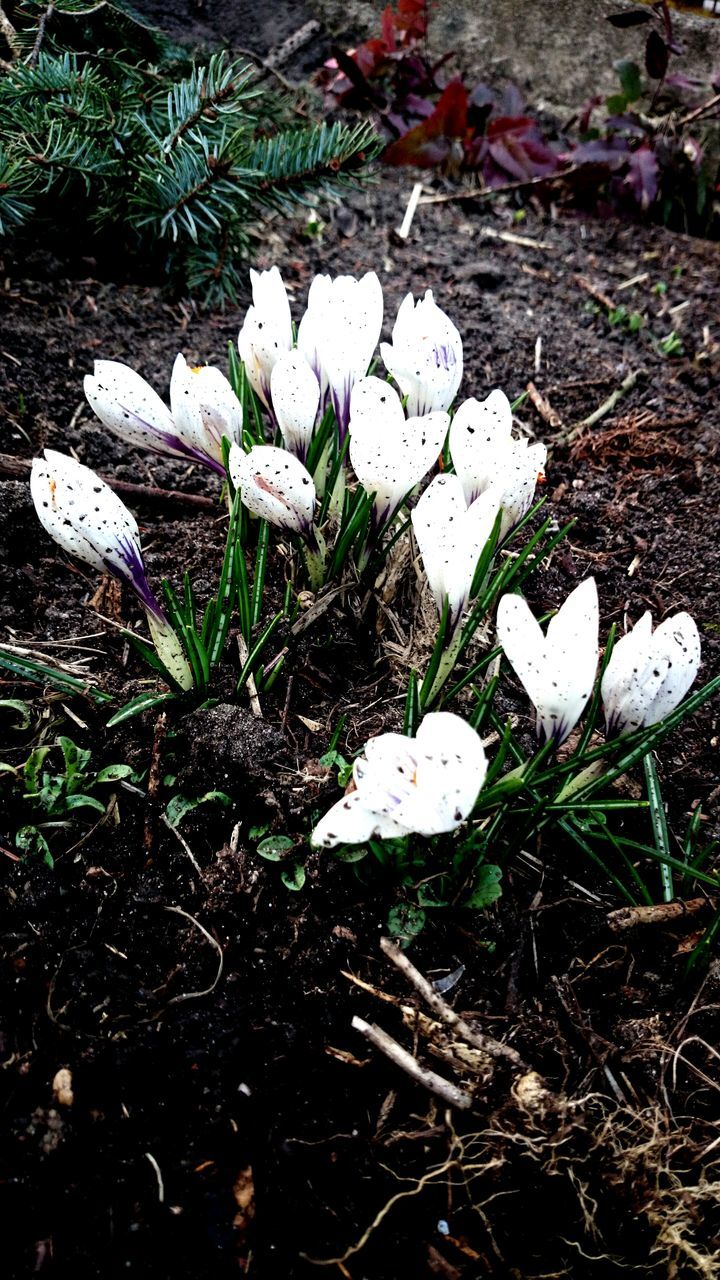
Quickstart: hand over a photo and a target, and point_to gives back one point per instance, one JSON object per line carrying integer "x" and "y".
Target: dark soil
{"x": 234, "y": 1123}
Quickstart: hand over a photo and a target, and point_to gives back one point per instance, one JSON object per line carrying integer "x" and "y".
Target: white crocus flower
{"x": 88, "y": 520}
{"x": 266, "y": 333}
{"x": 427, "y": 785}
{"x": 276, "y": 486}
{"x": 296, "y": 397}
{"x": 558, "y": 669}
{"x": 389, "y": 453}
{"x": 484, "y": 453}
{"x": 451, "y": 536}
{"x": 426, "y": 356}
{"x": 650, "y": 672}
{"x": 338, "y": 335}
{"x": 132, "y": 410}
{"x": 204, "y": 407}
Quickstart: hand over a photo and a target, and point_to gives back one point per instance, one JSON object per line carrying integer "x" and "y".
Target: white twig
{"x": 486, "y": 1044}
{"x": 184, "y": 843}
{"x": 251, "y": 685}
{"x": 161, "y": 1185}
{"x": 404, "y": 229}
{"x": 430, "y": 1080}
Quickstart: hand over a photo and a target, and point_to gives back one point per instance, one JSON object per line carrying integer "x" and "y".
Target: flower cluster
{"x": 351, "y": 446}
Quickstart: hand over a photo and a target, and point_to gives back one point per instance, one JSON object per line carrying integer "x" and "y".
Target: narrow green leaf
{"x": 412, "y": 707}
{"x": 659, "y": 824}
{"x": 144, "y": 702}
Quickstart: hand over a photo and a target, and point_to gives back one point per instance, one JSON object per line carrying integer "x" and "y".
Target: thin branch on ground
{"x": 486, "y": 1044}
{"x": 430, "y": 1080}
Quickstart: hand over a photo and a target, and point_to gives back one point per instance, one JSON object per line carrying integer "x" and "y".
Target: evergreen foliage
{"x": 173, "y": 161}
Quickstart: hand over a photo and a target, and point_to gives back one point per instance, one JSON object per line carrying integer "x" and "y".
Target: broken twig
{"x": 487, "y": 1044}
{"x": 660, "y": 913}
{"x": 602, "y": 411}
{"x": 18, "y": 468}
{"x": 430, "y": 1080}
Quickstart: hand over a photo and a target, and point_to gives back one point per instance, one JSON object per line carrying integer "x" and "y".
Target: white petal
{"x": 571, "y": 649}
{"x": 295, "y": 397}
{"x": 88, "y": 520}
{"x": 350, "y": 822}
{"x": 677, "y": 641}
{"x": 436, "y": 519}
{"x": 472, "y": 535}
{"x": 479, "y": 434}
{"x": 375, "y": 404}
{"x": 220, "y": 408}
{"x": 339, "y": 332}
{"x": 129, "y": 406}
{"x": 622, "y": 674}
{"x": 451, "y": 770}
{"x": 425, "y": 357}
{"x": 390, "y": 461}
{"x": 274, "y": 485}
{"x": 524, "y": 644}
{"x": 270, "y": 298}
{"x": 385, "y": 776}
{"x": 519, "y": 471}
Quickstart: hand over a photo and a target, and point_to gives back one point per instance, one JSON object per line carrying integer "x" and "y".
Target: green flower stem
{"x": 314, "y": 554}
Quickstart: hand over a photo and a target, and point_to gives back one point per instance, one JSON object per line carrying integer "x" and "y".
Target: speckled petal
{"x": 274, "y": 485}
{"x": 339, "y": 333}
{"x": 623, "y": 674}
{"x": 436, "y": 521}
{"x": 128, "y": 406}
{"x": 425, "y": 356}
{"x": 517, "y": 479}
{"x": 350, "y": 822}
{"x": 204, "y": 408}
{"x": 678, "y": 641}
{"x": 296, "y": 398}
{"x": 389, "y": 453}
{"x": 480, "y": 432}
{"x": 266, "y": 333}
{"x": 451, "y": 770}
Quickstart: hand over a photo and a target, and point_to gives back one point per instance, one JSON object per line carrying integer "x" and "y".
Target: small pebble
{"x": 62, "y": 1088}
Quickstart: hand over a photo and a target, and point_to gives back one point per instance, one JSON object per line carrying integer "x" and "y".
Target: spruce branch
{"x": 194, "y": 159}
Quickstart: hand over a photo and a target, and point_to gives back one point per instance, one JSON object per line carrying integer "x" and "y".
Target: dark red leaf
{"x": 657, "y": 56}
{"x": 632, "y": 19}
{"x": 387, "y": 28}
{"x": 429, "y": 143}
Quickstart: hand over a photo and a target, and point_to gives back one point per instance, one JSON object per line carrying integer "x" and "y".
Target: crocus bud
{"x": 296, "y": 398}
{"x": 557, "y": 670}
{"x": 485, "y": 454}
{"x": 127, "y": 405}
{"x": 338, "y": 335}
{"x": 649, "y": 672}
{"x": 88, "y": 520}
{"x": 425, "y": 357}
{"x": 389, "y": 453}
{"x": 427, "y": 784}
{"x": 266, "y": 333}
{"x": 276, "y": 486}
{"x": 451, "y": 536}
{"x": 204, "y": 408}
